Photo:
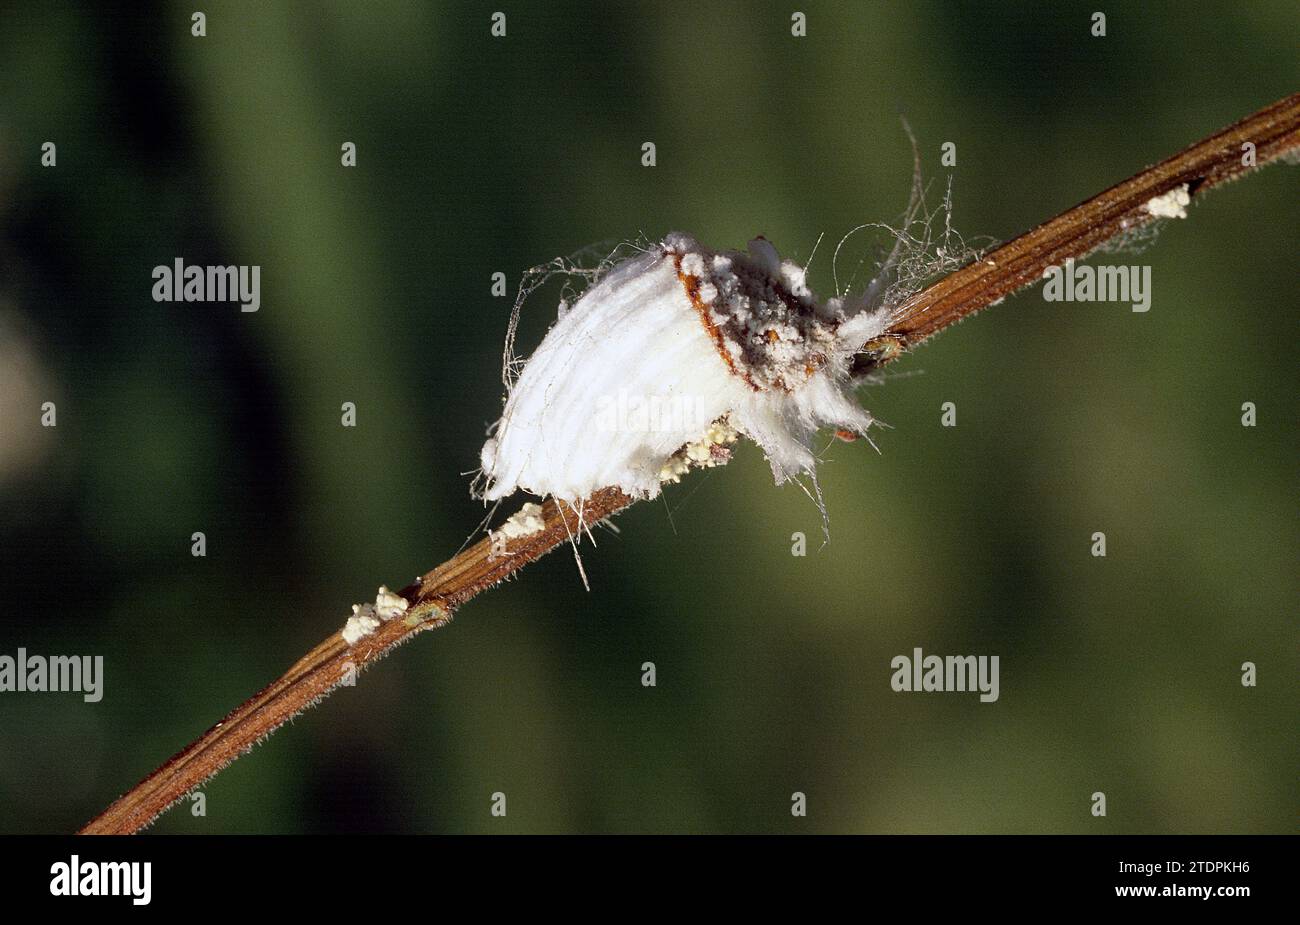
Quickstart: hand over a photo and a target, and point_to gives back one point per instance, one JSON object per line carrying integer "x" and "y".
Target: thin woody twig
{"x": 1274, "y": 131}
{"x": 433, "y": 599}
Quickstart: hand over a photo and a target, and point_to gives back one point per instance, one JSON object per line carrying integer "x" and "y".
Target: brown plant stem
{"x": 1075, "y": 233}
{"x": 433, "y": 599}
{"x": 1275, "y": 132}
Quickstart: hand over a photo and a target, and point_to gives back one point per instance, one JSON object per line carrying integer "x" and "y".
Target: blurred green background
{"x": 478, "y": 155}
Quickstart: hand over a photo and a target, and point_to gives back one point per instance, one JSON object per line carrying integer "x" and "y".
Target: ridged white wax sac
{"x": 663, "y": 346}
{"x": 620, "y": 383}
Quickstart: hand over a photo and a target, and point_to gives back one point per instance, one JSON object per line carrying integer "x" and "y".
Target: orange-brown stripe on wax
{"x": 692, "y": 286}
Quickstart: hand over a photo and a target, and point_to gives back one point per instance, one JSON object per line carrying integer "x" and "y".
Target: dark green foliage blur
{"x": 478, "y": 155}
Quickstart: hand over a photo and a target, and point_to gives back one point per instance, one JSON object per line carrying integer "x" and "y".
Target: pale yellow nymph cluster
{"x": 366, "y": 618}
{"x": 710, "y": 450}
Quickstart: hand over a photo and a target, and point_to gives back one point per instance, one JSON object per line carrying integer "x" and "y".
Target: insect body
{"x": 664, "y": 360}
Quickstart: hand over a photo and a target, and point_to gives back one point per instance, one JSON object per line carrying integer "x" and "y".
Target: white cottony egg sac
{"x": 666, "y": 359}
